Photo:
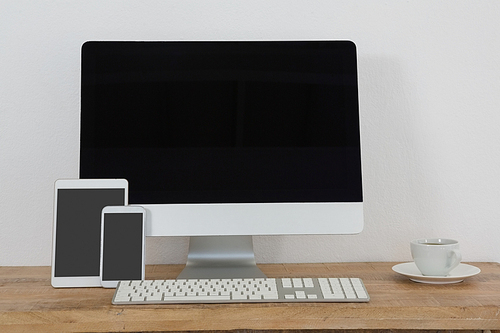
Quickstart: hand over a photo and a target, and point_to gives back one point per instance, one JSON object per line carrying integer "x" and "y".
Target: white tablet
{"x": 76, "y": 249}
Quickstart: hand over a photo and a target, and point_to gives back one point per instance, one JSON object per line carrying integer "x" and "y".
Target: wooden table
{"x": 28, "y": 303}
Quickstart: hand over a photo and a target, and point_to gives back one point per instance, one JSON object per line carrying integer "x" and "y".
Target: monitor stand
{"x": 221, "y": 257}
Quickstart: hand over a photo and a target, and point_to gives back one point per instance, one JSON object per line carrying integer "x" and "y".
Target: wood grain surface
{"x": 28, "y": 303}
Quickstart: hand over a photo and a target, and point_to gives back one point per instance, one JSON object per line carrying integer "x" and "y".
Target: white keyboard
{"x": 241, "y": 290}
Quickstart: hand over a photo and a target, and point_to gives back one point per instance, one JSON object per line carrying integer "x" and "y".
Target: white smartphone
{"x": 122, "y": 244}
{"x": 78, "y": 204}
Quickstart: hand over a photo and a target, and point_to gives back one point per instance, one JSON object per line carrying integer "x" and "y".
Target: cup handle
{"x": 455, "y": 257}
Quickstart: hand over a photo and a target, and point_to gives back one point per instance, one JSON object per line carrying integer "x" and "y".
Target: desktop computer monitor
{"x": 224, "y": 140}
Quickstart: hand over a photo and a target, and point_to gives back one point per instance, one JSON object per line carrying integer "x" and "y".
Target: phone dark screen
{"x": 78, "y": 234}
{"x": 123, "y": 244}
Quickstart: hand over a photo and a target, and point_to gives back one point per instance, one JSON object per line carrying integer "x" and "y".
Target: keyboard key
{"x": 156, "y": 297}
{"x": 297, "y": 283}
{"x": 287, "y": 283}
{"x": 308, "y": 283}
{"x": 300, "y": 294}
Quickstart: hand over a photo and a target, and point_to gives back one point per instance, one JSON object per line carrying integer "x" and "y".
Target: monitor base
{"x": 221, "y": 257}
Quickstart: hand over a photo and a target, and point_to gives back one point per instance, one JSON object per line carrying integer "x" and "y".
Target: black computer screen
{"x": 223, "y": 122}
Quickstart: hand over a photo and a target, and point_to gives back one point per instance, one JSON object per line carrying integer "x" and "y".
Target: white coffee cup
{"x": 435, "y": 256}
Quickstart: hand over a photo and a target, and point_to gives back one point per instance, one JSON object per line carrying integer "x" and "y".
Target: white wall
{"x": 429, "y": 79}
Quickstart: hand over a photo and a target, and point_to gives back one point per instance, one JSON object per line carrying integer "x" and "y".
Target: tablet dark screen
{"x": 78, "y": 233}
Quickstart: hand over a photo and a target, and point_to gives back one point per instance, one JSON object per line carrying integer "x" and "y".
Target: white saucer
{"x": 458, "y": 274}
